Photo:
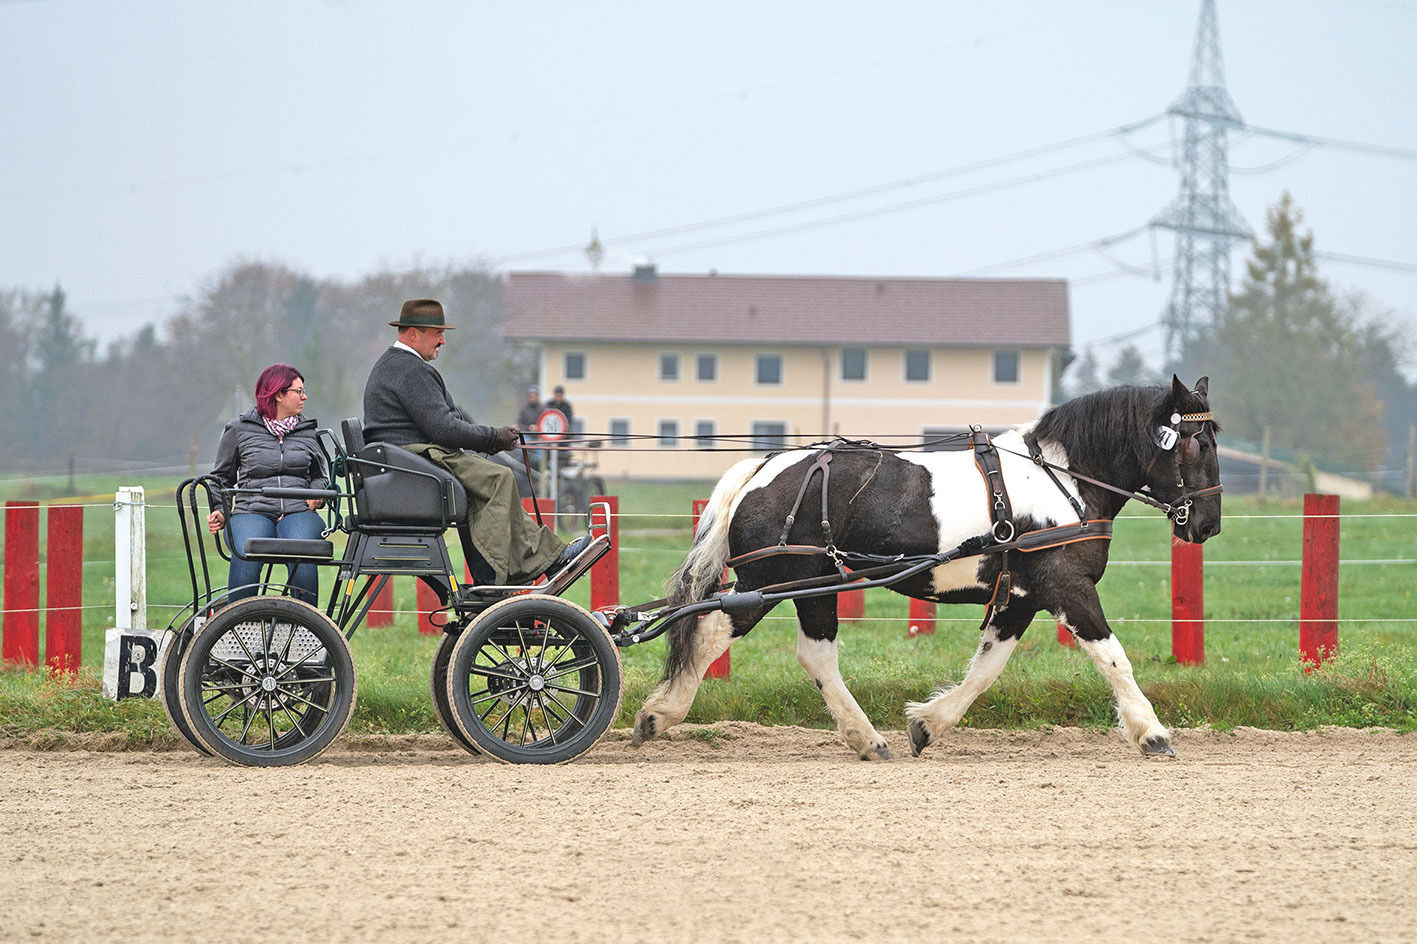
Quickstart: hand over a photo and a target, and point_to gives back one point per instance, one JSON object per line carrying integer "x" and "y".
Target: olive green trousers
{"x": 518, "y": 549}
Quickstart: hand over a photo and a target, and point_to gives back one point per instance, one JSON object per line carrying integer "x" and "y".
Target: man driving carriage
{"x": 407, "y": 404}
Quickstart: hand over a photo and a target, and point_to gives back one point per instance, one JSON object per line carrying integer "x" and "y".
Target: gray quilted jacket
{"x": 248, "y": 456}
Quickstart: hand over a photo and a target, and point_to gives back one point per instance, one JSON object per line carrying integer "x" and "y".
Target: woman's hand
{"x": 315, "y": 503}
{"x": 215, "y": 522}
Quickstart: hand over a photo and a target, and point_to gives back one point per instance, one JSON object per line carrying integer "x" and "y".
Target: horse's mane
{"x": 1108, "y": 434}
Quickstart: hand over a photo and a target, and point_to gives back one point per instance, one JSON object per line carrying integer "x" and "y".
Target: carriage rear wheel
{"x": 439, "y": 685}
{"x": 168, "y": 692}
{"x": 534, "y": 680}
{"x": 267, "y": 682}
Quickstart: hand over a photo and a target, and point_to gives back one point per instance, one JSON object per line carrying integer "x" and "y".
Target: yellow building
{"x": 681, "y": 375}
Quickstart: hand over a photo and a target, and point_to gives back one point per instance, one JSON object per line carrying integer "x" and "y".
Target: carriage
{"x": 1018, "y": 524}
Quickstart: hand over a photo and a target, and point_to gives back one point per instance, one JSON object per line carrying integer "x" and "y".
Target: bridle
{"x": 1178, "y": 509}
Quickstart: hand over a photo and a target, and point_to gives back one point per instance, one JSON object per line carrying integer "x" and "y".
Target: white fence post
{"x": 130, "y": 567}
{"x": 130, "y": 652}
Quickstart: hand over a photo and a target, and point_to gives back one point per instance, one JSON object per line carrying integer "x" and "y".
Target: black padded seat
{"x": 397, "y": 488}
{"x": 285, "y": 549}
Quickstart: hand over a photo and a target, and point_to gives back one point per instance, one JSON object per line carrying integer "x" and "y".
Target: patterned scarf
{"x": 281, "y": 428}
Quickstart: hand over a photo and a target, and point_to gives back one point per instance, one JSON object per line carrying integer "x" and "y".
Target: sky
{"x": 146, "y": 147}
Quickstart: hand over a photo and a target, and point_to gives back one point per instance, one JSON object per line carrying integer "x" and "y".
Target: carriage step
{"x": 286, "y": 549}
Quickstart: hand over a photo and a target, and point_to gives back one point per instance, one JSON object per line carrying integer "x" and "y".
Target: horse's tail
{"x": 708, "y": 554}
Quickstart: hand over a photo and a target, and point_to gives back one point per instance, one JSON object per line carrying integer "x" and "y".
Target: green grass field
{"x": 1252, "y": 674}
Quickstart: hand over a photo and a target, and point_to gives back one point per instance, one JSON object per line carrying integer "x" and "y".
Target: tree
{"x": 1082, "y": 375}
{"x": 1130, "y": 368}
{"x": 1288, "y": 356}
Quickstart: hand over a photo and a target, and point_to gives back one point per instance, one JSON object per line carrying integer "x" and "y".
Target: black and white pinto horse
{"x": 1096, "y": 451}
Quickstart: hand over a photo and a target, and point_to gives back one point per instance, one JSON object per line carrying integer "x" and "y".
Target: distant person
{"x": 407, "y": 404}
{"x": 558, "y": 401}
{"x": 271, "y": 444}
{"x": 530, "y": 411}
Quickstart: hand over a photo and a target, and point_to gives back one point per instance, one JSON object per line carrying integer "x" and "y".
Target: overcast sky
{"x": 148, "y": 145}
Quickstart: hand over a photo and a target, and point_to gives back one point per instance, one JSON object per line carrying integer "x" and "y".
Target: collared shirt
{"x": 404, "y": 347}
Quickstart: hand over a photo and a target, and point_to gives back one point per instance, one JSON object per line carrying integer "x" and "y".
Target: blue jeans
{"x": 304, "y": 579}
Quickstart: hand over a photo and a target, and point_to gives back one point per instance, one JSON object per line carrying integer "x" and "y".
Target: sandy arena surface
{"x": 729, "y": 832}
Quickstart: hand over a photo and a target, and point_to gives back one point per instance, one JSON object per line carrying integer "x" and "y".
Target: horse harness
{"x": 1003, "y": 537}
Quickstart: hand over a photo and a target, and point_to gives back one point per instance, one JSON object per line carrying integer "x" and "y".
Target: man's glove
{"x": 506, "y": 438}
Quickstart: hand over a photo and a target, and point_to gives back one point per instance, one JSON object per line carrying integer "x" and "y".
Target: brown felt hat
{"x": 421, "y": 313}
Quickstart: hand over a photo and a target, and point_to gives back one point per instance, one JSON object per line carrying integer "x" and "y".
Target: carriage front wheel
{"x": 267, "y": 682}
{"x": 534, "y": 680}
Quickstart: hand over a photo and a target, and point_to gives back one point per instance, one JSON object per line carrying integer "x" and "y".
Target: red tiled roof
{"x": 547, "y": 306}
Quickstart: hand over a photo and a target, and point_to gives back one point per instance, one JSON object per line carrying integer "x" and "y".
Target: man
{"x": 407, "y": 404}
{"x": 530, "y": 411}
{"x": 558, "y": 401}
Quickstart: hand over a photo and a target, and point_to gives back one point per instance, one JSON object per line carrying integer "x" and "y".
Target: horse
{"x": 1065, "y": 476}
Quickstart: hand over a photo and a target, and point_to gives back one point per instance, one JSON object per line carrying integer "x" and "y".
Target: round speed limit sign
{"x": 551, "y": 424}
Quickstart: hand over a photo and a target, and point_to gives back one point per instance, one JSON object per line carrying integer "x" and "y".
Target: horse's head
{"x": 1185, "y": 472}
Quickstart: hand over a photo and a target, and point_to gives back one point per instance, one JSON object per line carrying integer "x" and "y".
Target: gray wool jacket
{"x": 406, "y": 401}
{"x": 248, "y": 456}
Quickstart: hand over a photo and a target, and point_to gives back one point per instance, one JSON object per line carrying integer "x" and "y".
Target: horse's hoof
{"x": 1158, "y": 746}
{"x": 919, "y": 736}
{"x": 879, "y": 752}
{"x": 645, "y": 729}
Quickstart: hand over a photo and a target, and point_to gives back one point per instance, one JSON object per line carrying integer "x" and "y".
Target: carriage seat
{"x": 287, "y": 550}
{"x": 398, "y": 489}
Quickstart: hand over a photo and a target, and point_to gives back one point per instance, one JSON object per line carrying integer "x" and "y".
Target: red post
{"x": 922, "y": 618}
{"x": 605, "y": 574}
{"x": 1065, "y": 637}
{"x": 21, "y": 633}
{"x": 851, "y": 605}
{"x": 1188, "y": 603}
{"x": 382, "y": 612}
{"x": 548, "y": 510}
{"x": 720, "y": 667}
{"x": 64, "y": 589}
{"x": 1318, "y": 597}
{"x": 427, "y": 603}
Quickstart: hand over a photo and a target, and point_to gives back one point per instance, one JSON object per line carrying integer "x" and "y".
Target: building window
{"x": 853, "y": 363}
{"x": 706, "y": 367}
{"x": 574, "y": 365}
{"x": 769, "y": 435}
{"x": 704, "y": 433}
{"x": 668, "y": 434}
{"x": 1006, "y": 367}
{"x": 769, "y": 369}
{"x": 619, "y": 432}
{"x": 917, "y": 366}
{"x": 669, "y": 367}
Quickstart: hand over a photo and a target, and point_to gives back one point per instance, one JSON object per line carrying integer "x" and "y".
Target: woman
{"x": 271, "y": 445}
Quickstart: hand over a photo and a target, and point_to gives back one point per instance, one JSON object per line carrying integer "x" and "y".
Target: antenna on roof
{"x": 594, "y": 251}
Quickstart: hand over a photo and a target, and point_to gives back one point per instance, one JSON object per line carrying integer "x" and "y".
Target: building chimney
{"x": 646, "y": 272}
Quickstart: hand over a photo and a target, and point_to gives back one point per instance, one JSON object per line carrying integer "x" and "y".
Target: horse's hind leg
{"x": 817, "y": 653}
{"x": 691, "y": 653}
{"x": 928, "y": 720}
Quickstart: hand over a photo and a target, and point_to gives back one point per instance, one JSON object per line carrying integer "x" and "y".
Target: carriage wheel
{"x": 267, "y": 682}
{"x": 441, "y": 707}
{"x": 168, "y": 692}
{"x": 535, "y": 679}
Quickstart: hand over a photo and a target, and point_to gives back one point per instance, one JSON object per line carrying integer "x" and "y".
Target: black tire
{"x": 439, "y": 685}
{"x": 167, "y": 690}
{"x": 267, "y": 682}
{"x": 534, "y": 680}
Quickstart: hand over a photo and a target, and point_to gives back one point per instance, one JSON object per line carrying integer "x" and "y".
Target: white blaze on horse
{"x": 1019, "y": 524}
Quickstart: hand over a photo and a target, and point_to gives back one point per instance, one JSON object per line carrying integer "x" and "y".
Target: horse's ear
{"x": 1180, "y": 394}
{"x": 1203, "y": 386}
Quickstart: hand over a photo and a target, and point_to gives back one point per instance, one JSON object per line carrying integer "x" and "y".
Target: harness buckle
{"x": 1008, "y": 531}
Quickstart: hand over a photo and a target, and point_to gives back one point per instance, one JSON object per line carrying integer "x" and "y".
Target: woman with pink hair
{"x": 273, "y": 444}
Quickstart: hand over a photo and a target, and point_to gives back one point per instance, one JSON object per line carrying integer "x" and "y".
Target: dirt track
{"x": 727, "y": 833}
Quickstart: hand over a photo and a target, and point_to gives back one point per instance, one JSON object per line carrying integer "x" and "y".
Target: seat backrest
{"x": 393, "y": 486}
{"x": 353, "y": 435}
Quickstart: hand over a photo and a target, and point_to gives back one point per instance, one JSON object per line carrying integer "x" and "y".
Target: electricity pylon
{"x": 1203, "y": 217}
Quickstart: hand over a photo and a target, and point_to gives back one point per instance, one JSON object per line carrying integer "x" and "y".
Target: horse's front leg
{"x": 817, "y": 653}
{"x": 928, "y": 720}
{"x": 1138, "y": 719}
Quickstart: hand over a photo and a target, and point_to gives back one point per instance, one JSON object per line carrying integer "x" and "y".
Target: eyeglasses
{"x": 298, "y": 391}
